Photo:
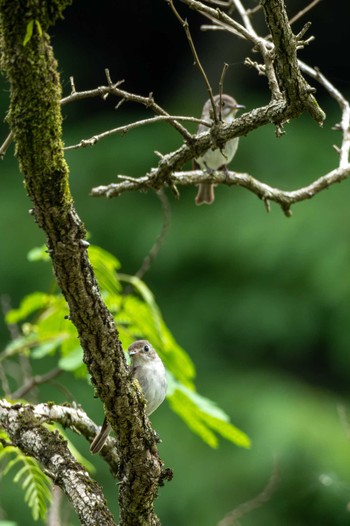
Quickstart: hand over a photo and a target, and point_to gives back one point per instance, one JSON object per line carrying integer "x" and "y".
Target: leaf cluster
{"x": 47, "y": 330}
{"x": 35, "y": 484}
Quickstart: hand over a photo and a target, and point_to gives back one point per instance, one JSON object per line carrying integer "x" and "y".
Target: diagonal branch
{"x": 231, "y": 519}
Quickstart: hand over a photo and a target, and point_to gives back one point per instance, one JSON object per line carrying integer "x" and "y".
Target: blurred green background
{"x": 260, "y": 302}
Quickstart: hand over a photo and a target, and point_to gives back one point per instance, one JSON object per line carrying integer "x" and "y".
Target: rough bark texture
{"x": 27, "y": 432}
{"x": 297, "y": 92}
{"x": 35, "y": 121}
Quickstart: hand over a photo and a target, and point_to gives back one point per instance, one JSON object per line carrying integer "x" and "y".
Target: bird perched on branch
{"x": 148, "y": 369}
{"x": 216, "y": 159}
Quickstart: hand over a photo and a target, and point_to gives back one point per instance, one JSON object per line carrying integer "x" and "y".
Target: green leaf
{"x": 29, "y": 32}
{"x": 72, "y": 361}
{"x": 38, "y": 27}
{"x": 105, "y": 266}
{"x": 144, "y": 319}
{"x": 137, "y": 316}
{"x": 203, "y": 416}
{"x": 35, "y": 484}
{"x": 31, "y": 303}
{"x": 38, "y": 254}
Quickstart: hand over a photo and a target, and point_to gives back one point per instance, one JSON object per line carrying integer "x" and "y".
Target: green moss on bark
{"x": 34, "y": 115}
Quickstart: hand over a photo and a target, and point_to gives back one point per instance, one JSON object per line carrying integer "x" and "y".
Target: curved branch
{"x": 49, "y": 448}
{"x": 78, "y": 421}
{"x": 265, "y": 192}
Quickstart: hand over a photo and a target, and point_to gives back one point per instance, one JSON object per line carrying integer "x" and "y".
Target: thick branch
{"x": 291, "y": 82}
{"x": 35, "y": 120}
{"x": 27, "y": 433}
{"x": 77, "y": 420}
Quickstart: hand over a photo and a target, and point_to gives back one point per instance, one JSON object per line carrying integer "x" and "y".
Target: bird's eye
{"x": 146, "y": 348}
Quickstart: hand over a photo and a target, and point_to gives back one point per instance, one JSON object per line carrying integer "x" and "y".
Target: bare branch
{"x": 231, "y": 519}
{"x": 5, "y": 145}
{"x": 4, "y": 381}
{"x": 122, "y": 130}
{"x": 148, "y": 260}
{"x": 223, "y": 20}
{"x": 113, "y": 89}
{"x": 344, "y": 419}
{"x": 344, "y": 106}
{"x": 197, "y": 62}
{"x": 15, "y": 332}
{"x": 221, "y": 84}
{"x": 221, "y": 3}
{"x": 247, "y": 33}
{"x": 265, "y": 192}
{"x": 302, "y": 12}
{"x": 245, "y": 15}
{"x": 34, "y": 381}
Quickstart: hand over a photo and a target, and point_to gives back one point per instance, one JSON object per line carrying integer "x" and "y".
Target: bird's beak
{"x": 131, "y": 353}
{"x": 239, "y": 106}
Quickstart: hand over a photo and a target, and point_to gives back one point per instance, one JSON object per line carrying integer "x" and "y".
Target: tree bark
{"x": 35, "y": 120}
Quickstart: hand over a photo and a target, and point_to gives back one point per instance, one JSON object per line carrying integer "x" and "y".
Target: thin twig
{"x": 254, "y": 10}
{"x": 219, "y": 3}
{"x": 152, "y": 254}
{"x": 149, "y": 102}
{"x": 264, "y": 496}
{"x": 302, "y": 12}
{"x": 5, "y": 145}
{"x": 34, "y": 381}
{"x": 221, "y": 86}
{"x": 344, "y": 106}
{"x": 113, "y": 89}
{"x": 223, "y": 20}
{"x": 245, "y": 15}
{"x": 15, "y": 333}
{"x": 344, "y": 419}
{"x": 197, "y": 62}
{"x": 246, "y": 33}
{"x": 122, "y": 130}
{"x": 4, "y": 381}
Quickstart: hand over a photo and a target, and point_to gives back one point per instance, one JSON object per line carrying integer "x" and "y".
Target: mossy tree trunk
{"x": 28, "y": 61}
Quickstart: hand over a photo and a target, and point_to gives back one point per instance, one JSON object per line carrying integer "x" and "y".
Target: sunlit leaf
{"x": 38, "y": 254}
{"x": 29, "y": 32}
{"x": 72, "y": 361}
{"x": 31, "y": 303}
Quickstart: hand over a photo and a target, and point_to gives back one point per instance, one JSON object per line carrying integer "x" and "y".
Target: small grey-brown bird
{"x": 148, "y": 369}
{"x": 216, "y": 159}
